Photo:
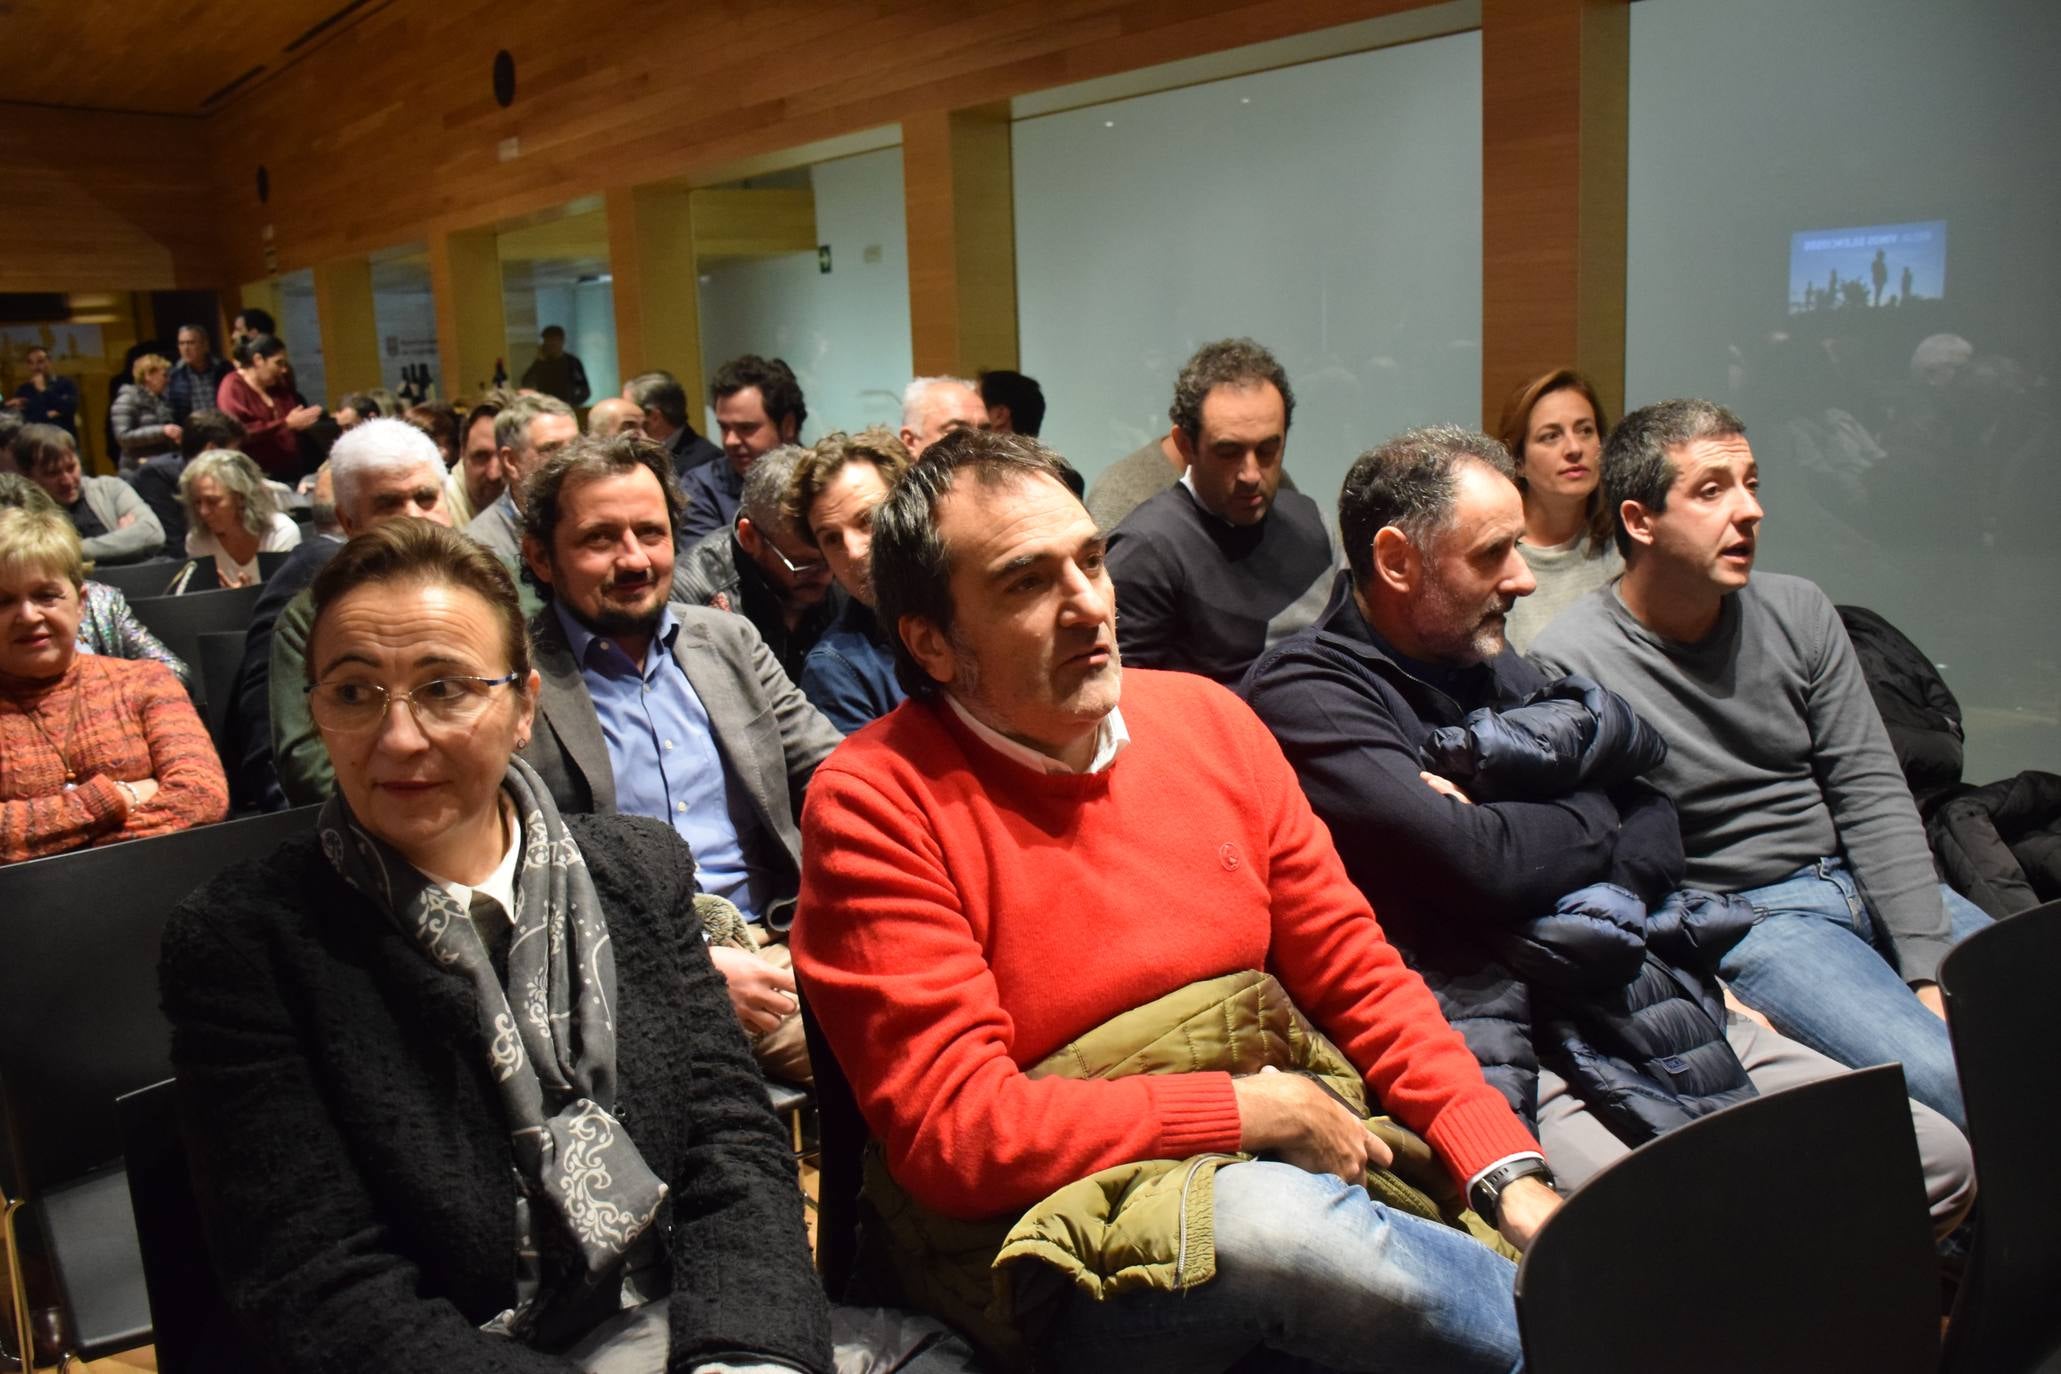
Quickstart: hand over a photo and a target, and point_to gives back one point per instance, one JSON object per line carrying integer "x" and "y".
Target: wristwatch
{"x": 1486, "y": 1196}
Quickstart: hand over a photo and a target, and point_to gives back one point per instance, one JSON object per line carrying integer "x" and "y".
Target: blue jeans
{"x": 1815, "y": 965}
{"x": 1317, "y": 1276}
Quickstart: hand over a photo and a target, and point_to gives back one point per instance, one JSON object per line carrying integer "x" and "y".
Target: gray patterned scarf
{"x": 549, "y": 1040}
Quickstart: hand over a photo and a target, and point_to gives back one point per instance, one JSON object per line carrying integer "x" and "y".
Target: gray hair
{"x": 322, "y": 514}
{"x": 914, "y": 394}
{"x": 660, "y": 391}
{"x": 1232, "y": 363}
{"x": 764, "y": 500}
{"x": 239, "y": 477}
{"x": 1408, "y": 482}
{"x": 1636, "y": 465}
{"x": 512, "y": 425}
{"x": 380, "y": 445}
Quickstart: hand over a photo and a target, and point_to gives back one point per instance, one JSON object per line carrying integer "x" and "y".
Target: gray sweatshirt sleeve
{"x": 1871, "y": 805}
{"x": 139, "y": 539}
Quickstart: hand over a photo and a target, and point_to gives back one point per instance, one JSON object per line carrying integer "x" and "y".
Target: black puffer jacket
{"x": 1999, "y": 845}
{"x": 1468, "y": 892}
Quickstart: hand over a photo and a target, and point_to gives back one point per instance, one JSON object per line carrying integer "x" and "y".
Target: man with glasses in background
{"x": 763, "y": 569}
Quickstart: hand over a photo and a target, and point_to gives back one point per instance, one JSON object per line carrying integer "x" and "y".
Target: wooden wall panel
{"x": 391, "y": 128}
{"x": 960, "y": 201}
{"x": 105, "y": 202}
{"x": 1554, "y": 103}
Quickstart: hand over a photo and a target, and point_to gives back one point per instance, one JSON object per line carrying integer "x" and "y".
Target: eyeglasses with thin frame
{"x": 797, "y": 569}
{"x": 445, "y": 703}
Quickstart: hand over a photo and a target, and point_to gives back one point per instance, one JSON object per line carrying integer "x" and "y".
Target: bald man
{"x": 934, "y": 406}
{"x": 614, "y": 417}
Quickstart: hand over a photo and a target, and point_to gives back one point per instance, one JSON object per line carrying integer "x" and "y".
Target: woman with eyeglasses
{"x": 93, "y": 749}
{"x": 461, "y": 1087}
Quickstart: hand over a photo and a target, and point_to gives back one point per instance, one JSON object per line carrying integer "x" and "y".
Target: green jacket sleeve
{"x": 297, "y": 749}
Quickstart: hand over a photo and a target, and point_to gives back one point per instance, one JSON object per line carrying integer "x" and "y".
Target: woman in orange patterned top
{"x": 92, "y": 749}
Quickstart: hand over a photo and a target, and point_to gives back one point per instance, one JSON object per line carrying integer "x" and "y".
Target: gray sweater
{"x": 1776, "y": 755}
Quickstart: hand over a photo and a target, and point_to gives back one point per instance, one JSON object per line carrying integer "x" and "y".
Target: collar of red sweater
{"x": 1110, "y": 738}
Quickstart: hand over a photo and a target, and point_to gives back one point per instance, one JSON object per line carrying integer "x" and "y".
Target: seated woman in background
{"x": 444, "y": 978}
{"x": 1554, "y": 426}
{"x": 232, "y": 516}
{"x": 142, "y": 414}
{"x": 106, "y": 624}
{"x": 92, "y": 749}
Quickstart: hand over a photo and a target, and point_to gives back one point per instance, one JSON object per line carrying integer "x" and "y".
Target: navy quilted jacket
{"x": 1545, "y": 917}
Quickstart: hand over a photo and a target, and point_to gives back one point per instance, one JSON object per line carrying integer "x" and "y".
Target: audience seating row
{"x": 1810, "y": 1199}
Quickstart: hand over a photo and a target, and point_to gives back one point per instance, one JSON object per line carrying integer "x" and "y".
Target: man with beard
{"x": 675, "y": 712}
{"x": 1788, "y": 791}
{"x": 1468, "y": 879}
{"x": 1044, "y": 858}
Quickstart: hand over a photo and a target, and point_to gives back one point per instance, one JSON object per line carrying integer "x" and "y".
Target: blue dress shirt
{"x": 663, "y": 750}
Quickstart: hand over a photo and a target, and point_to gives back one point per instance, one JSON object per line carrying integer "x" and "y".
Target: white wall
{"x": 846, "y": 332}
{"x": 1752, "y": 120}
{"x": 301, "y": 329}
{"x": 1332, "y": 211}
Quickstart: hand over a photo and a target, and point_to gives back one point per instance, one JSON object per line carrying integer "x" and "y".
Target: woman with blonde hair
{"x": 106, "y": 623}
{"x": 92, "y": 749}
{"x": 142, "y": 413}
{"x": 232, "y": 517}
{"x": 1554, "y": 426}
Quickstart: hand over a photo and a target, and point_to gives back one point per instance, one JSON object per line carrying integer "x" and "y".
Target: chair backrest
{"x": 135, "y": 580}
{"x": 180, "y": 621}
{"x": 1996, "y": 983}
{"x": 842, "y": 1133}
{"x": 269, "y": 563}
{"x": 221, "y": 659}
{"x": 1785, "y": 1234}
{"x": 192, "y": 1329}
{"x": 79, "y": 1018}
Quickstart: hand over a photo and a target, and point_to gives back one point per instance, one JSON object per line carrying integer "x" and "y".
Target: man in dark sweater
{"x": 1788, "y": 791}
{"x": 1223, "y": 563}
{"x": 1413, "y": 642}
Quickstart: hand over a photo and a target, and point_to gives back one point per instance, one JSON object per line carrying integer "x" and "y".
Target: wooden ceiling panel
{"x": 157, "y": 56}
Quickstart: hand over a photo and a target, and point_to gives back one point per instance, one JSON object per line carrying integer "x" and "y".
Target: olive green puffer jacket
{"x": 1146, "y": 1226}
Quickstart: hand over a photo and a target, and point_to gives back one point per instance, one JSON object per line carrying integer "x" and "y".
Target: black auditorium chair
{"x": 2007, "y": 1315}
{"x": 180, "y": 621}
{"x": 193, "y": 1331}
{"x": 1785, "y": 1235}
{"x": 221, "y": 658}
{"x": 135, "y": 580}
{"x": 269, "y": 563}
{"x": 841, "y": 1137}
{"x": 80, "y": 1027}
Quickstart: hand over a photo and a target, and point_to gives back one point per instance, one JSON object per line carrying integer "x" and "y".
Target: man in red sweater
{"x": 1036, "y": 842}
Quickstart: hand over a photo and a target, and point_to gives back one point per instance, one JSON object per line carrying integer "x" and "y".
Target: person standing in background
{"x": 46, "y": 398}
{"x": 259, "y": 396}
{"x": 557, "y": 372}
{"x": 198, "y": 374}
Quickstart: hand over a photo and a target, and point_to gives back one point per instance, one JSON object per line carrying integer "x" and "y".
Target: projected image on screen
{"x": 1871, "y": 267}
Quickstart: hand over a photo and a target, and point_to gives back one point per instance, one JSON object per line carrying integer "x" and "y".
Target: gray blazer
{"x": 493, "y": 528}
{"x": 769, "y": 736}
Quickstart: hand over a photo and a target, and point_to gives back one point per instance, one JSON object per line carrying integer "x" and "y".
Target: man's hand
{"x": 761, "y": 994}
{"x": 174, "y": 433}
{"x": 1523, "y": 1209}
{"x": 1445, "y": 787}
{"x": 126, "y": 521}
{"x": 1929, "y": 994}
{"x": 1290, "y": 1117}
